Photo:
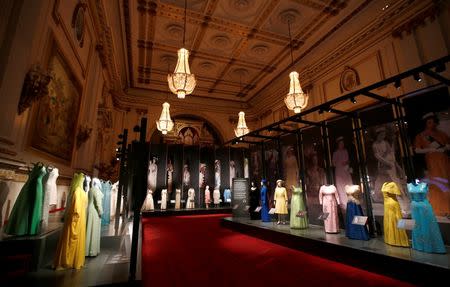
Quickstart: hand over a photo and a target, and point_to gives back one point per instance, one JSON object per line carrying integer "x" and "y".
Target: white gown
{"x": 164, "y": 199}
{"x": 151, "y": 176}
{"x": 190, "y": 203}
{"x": 50, "y": 194}
{"x": 148, "y": 203}
{"x": 178, "y": 199}
{"x": 216, "y": 196}
{"x": 207, "y": 196}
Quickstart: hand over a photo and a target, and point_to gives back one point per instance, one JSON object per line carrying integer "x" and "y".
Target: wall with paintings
{"x": 49, "y": 45}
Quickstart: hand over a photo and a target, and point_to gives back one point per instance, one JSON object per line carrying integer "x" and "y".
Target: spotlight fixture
{"x": 328, "y": 109}
{"x": 397, "y": 84}
{"x": 119, "y": 142}
{"x": 353, "y": 100}
{"x": 417, "y": 77}
{"x": 121, "y": 136}
{"x": 320, "y": 111}
{"x": 440, "y": 68}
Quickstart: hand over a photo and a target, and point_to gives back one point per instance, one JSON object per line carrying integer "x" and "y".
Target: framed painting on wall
{"x": 56, "y": 116}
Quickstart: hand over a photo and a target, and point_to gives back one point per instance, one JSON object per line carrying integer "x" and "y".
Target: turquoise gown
{"x": 93, "y": 224}
{"x": 426, "y": 235}
{"x": 265, "y": 216}
{"x": 227, "y": 195}
{"x": 26, "y": 214}
{"x": 106, "y": 189}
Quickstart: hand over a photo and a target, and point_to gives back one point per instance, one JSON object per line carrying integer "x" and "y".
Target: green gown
{"x": 27, "y": 211}
{"x": 94, "y": 225}
{"x": 297, "y": 204}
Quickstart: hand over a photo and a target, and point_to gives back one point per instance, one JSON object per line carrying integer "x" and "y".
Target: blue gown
{"x": 227, "y": 195}
{"x": 265, "y": 216}
{"x": 106, "y": 189}
{"x": 426, "y": 235}
{"x": 353, "y": 231}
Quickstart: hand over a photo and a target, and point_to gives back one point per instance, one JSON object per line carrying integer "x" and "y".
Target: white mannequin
{"x": 164, "y": 199}
{"x": 178, "y": 199}
{"x": 207, "y": 196}
{"x": 190, "y": 203}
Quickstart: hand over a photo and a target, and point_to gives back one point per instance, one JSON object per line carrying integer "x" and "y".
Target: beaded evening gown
{"x": 50, "y": 194}
{"x": 106, "y": 190}
{"x": 25, "y": 218}
{"x": 281, "y": 198}
{"x": 177, "y": 198}
{"x": 207, "y": 197}
{"x": 71, "y": 249}
{"x": 149, "y": 204}
{"x": 216, "y": 196}
{"x": 354, "y": 231}
{"x": 164, "y": 199}
{"x": 94, "y": 215}
{"x": 298, "y": 205}
{"x": 227, "y": 195}
{"x": 190, "y": 203}
{"x": 426, "y": 235}
{"x": 265, "y": 216}
{"x": 329, "y": 199}
{"x": 392, "y": 214}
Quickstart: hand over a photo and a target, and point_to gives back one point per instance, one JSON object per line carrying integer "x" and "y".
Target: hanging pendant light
{"x": 296, "y": 99}
{"x": 241, "y": 128}
{"x": 181, "y": 81}
{"x": 165, "y": 123}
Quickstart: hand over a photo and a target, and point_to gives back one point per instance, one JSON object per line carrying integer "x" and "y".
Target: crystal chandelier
{"x": 296, "y": 99}
{"x": 241, "y": 128}
{"x": 181, "y": 81}
{"x": 165, "y": 123}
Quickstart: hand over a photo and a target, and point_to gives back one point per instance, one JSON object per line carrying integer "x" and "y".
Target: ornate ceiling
{"x": 237, "y": 46}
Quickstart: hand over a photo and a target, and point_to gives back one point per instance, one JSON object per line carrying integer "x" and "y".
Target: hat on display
{"x": 340, "y": 138}
{"x": 280, "y": 180}
{"x": 428, "y": 115}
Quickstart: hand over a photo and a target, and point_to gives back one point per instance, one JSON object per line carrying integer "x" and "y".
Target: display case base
{"x": 374, "y": 255}
{"x": 194, "y": 211}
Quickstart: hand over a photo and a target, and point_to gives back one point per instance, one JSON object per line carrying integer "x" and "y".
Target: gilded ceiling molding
{"x": 104, "y": 46}
{"x": 419, "y": 20}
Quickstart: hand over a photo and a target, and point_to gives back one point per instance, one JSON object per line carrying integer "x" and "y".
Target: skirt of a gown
{"x": 177, "y": 200}
{"x": 298, "y": 205}
{"x": 354, "y": 231}
{"x": 392, "y": 214}
{"x": 426, "y": 235}
{"x": 148, "y": 203}
{"x": 329, "y": 206}
{"x": 265, "y": 216}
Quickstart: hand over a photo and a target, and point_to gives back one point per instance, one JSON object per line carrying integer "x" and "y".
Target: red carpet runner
{"x": 197, "y": 251}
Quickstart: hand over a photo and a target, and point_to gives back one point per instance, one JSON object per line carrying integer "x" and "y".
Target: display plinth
{"x": 36, "y": 250}
{"x": 374, "y": 255}
{"x": 193, "y": 211}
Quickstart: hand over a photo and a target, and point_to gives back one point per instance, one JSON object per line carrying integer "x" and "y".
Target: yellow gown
{"x": 392, "y": 214}
{"x": 281, "y": 199}
{"x": 71, "y": 248}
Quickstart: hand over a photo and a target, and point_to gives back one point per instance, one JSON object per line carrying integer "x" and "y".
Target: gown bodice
{"x": 353, "y": 193}
{"x": 418, "y": 192}
{"x": 297, "y": 191}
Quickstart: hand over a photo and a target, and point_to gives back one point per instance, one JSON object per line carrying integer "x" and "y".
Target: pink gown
{"x": 329, "y": 201}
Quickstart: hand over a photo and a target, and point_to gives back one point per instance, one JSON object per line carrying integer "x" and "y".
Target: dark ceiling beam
{"x": 438, "y": 77}
{"x": 298, "y": 120}
{"x": 377, "y": 97}
{"x": 261, "y": 136}
{"x": 278, "y": 129}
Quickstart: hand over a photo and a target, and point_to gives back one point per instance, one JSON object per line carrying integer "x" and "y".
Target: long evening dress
{"x": 281, "y": 198}
{"x": 216, "y": 196}
{"x": 342, "y": 174}
{"x": 438, "y": 169}
{"x": 25, "y": 218}
{"x": 329, "y": 199}
{"x": 190, "y": 202}
{"x": 149, "y": 204}
{"x": 114, "y": 192}
{"x": 178, "y": 198}
{"x": 164, "y": 199}
{"x": 354, "y": 231}
{"x": 392, "y": 214}
{"x": 426, "y": 235}
{"x": 94, "y": 215}
{"x": 265, "y": 216}
{"x": 106, "y": 190}
{"x": 207, "y": 196}
{"x": 298, "y": 205}
{"x": 227, "y": 195}
{"x": 254, "y": 203}
{"x": 71, "y": 249}
{"x": 49, "y": 184}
